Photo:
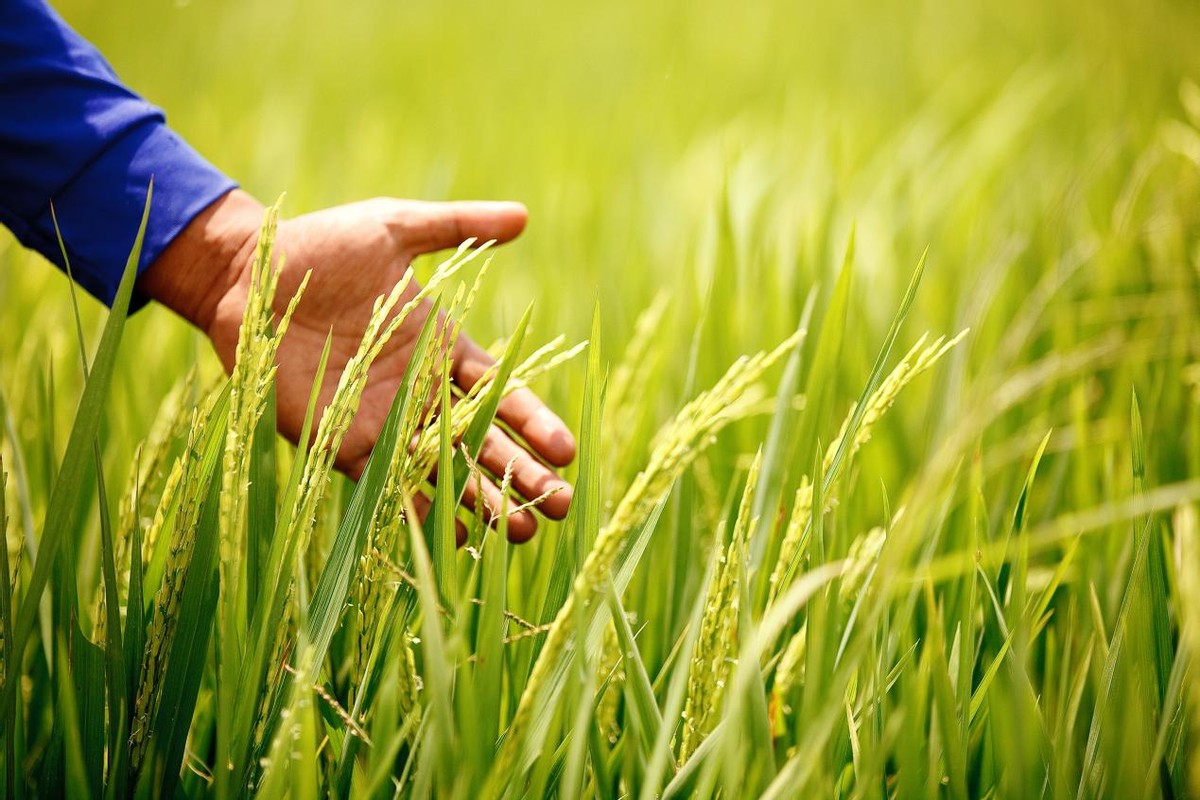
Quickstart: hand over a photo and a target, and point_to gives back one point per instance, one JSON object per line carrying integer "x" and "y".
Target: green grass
{"x": 857, "y": 572}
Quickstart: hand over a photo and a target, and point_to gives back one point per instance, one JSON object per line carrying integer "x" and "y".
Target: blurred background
{"x": 696, "y": 148}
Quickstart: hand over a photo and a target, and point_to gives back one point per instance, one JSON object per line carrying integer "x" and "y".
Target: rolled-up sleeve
{"x": 72, "y": 135}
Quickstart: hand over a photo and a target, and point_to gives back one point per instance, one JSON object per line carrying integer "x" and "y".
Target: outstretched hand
{"x": 356, "y": 253}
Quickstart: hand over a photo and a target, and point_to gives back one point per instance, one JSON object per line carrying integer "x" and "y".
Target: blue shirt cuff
{"x": 100, "y": 209}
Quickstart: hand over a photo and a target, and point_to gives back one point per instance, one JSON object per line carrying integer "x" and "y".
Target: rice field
{"x": 878, "y": 324}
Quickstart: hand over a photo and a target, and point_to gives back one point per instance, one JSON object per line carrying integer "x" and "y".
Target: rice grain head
{"x": 918, "y": 360}
{"x": 789, "y": 674}
{"x": 182, "y": 517}
{"x": 677, "y": 446}
{"x": 259, "y": 338}
{"x": 860, "y": 561}
{"x": 716, "y": 649}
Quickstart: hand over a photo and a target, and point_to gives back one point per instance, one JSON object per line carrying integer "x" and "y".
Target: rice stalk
{"x": 857, "y": 570}
{"x": 183, "y": 515}
{"x": 790, "y": 673}
{"x": 12, "y": 535}
{"x": 259, "y": 337}
{"x": 639, "y": 353}
{"x": 371, "y": 590}
{"x": 408, "y": 679}
{"x": 919, "y": 359}
{"x": 145, "y": 483}
{"x": 715, "y": 656}
{"x": 676, "y": 448}
{"x": 387, "y": 316}
{"x": 165, "y": 510}
{"x": 611, "y": 668}
{"x": 425, "y": 448}
{"x": 860, "y": 562}
{"x": 288, "y": 768}
{"x": 796, "y": 535}
{"x": 335, "y": 421}
{"x": 144, "y": 488}
{"x": 625, "y": 396}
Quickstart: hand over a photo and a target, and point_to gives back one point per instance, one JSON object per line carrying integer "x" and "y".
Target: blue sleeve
{"x": 73, "y": 135}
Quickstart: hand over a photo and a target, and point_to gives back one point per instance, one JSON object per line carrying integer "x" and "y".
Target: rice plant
{"x": 882, "y": 360}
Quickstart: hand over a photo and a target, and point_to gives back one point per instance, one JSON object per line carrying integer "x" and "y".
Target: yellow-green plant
{"x": 981, "y": 583}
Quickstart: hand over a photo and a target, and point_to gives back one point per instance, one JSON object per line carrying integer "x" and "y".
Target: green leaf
{"x": 135, "y": 621}
{"x": 821, "y": 383}
{"x": 549, "y": 699}
{"x": 87, "y": 664}
{"x": 756, "y": 767}
{"x": 784, "y": 423}
{"x": 114, "y": 656}
{"x": 684, "y": 782}
{"x": 288, "y": 500}
{"x": 324, "y": 611}
{"x": 439, "y": 532}
{"x": 438, "y": 748}
{"x": 583, "y": 520}
{"x": 263, "y": 494}
{"x": 74, "y": 779}
{"x": 71, "y": 476}
{"x": 1142, "y": 589}
{"x": 114, "y": 650}
{"x": 661, "y": 757}
{"x": 398, "y": 610}
{"x": 488, "y": 670}
{"x": 645, "y": 718}
{"x": 945, "y": 704}
{"x": 571, "y": 782}
{"x": 325, "y": 608}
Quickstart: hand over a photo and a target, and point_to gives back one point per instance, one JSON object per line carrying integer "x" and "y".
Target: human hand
{"x": 356, "y": 253}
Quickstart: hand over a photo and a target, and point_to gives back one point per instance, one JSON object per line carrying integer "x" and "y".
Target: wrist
{"x": 206, "y": 259}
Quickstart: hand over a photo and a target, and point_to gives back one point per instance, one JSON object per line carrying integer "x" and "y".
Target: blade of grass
{"x": 74, "y": 778}
{"x": 661, "y": 758}
{"x": 87, "y": 665}
{"x": 70, "y": 478}
{"x": 438, "y": 748}
{"x": 439, "y": 533}
{"x": 135, "y": 615}
{"x": 114, "y": 649}
{"x": 114, "y": 656}
{"x": 1092, "y": 773}
{"x": 571, "y": 785}
{"x": 779, "y": 436}
{"x": 583, "y": 519}
{"x": 488, "y": 671}
{"x": 117, "y": 686}
{"x": 877, "y": 370}
{"x": 262, "y": 496}
{"x": 646, "y": 718}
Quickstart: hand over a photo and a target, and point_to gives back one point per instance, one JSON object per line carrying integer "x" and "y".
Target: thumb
{"x": 426, "y": 227}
